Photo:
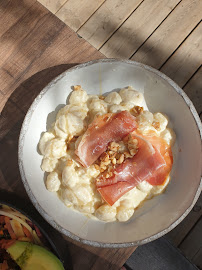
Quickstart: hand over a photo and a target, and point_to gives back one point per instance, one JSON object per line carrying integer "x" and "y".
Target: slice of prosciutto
{"x": 103, "y": 130}
{"x": 152, "y": 163}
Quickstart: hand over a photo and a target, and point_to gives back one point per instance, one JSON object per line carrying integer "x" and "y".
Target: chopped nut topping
{"x": 133, "y": 151}
{"x": 114, "y": 161}
{"x": 156, "y": 125}
{"x": 121, "y": 159}
{"x": 77, "y": 87}
{"x": 128, "y": 155}
{"x": 136, "y": 110}
{"x": 104, "y": 157}
{"x": 101, "y": 97}
{"x": 114, "y": 146}
{"x": 69, "y": 162}
{"x": 96, "y": 167}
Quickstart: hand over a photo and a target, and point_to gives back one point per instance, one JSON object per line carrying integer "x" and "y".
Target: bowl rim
{"x": 24, "y": 128}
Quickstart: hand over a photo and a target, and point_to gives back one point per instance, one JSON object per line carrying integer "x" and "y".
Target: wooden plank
{"x": 75, "y": 12}
{"x": 177, "y": 235}
{"x": 197, "y": 258}
{"x": 28, "y": 49}
{"x": 10, "y": 175}
{"x": 11, "y": 12}
{"x": 158, "y": 255}
{"x": 11, "y": 41}
{"x": 170, "y": 34}
{"x": 193, "y": 90}
{"x": 53, "y": 5}
{"x": 106, "y": 20}
{"x": 52, "y": 63}
{"x": 10, "y": 115}
{"x": 193, "y": 242}
{"x": 187, "y": 59}
{"x": 112, "y": 260}
{"x": 137, "y": 28}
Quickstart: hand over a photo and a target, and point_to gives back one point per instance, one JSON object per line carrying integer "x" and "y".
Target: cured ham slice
{"x": 103, "y": 130}
{"x": 152, "y": 163}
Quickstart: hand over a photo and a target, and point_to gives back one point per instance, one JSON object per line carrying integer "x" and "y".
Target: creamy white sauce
{"x": 74, "y": 184}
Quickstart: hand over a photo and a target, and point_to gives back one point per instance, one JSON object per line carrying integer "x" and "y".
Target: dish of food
{"x": 95, "y": 142}
{"x": 22, "y": 245}
{"x": 152, "y": 218}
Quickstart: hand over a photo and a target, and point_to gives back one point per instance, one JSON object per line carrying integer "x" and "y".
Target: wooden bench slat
{"x": 137, "y": 28}
{"x": 75, "y": 12}
{"x": 186, "y": 60}
{"x": 106, "y": 20}
{"x": 11, "y": 42}
{"x": 170, "y": 34}
{"x": 193, "y": 242}
{"x": 197, "y": 258}
{"x": 194, "y": 90}
{"x": 11, "y": 11}
{"x": 53, "y": 5}
{"x": 8, "y": 118}
{"x": 177, "y": 235}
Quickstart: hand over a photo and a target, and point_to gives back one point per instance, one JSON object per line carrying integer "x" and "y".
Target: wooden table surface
{"x": 35, "y": 47}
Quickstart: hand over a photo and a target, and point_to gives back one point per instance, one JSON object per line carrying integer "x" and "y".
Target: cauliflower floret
{"x": 67, "y": 125}
{"x": 49, "y": 164}
{"x": 145, "y": 120}
{"x": 83, "y": 194}
{"x": 69, "y": 176}
{"x": 106, "y": 213}
{"x": 169, "y": 136}
{"x": 69, "y": 197}
{"x": 53, "y": 182}
{"x": 60, "y": 127}
{"x": 160, "y": 121}
{"x": 144, "y": 186}
{"x": 129, "y": 95}
{"x": 79, "y": 111}
{"x": 133, "y": 198}
{"x": 124, "y": 214}
{"x": 159, "y": 189}
{"x": 45, "y": 138}
{"x": 113, "y": 98}
{"x": 55, "y": 148}
{"x": 78, "y": 97}
{"x": 116, "y": 108}
{"x": 63, "y": 111}
{"x": 87, "y": 208}
{"x": 97, "y": 106}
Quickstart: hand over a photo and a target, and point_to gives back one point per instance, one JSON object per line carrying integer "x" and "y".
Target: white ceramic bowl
{"x": 157, "y": 216}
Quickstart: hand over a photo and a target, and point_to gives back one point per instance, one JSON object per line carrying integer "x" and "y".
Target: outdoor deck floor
{"x": 166, "y": 35}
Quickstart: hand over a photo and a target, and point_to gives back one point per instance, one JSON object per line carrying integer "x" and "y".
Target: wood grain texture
{"x": 106, "y": 20}
{"x": 177, "y": 235}
{"x": 53, "y": 5}
{"x": 137, "y": 28}
{"x": 193, "y": 240}
{"x": 75, "y": 12}
{"x": 11, "y": 12}
{"x": 187, "y": 59}
{"x": 194, "y": 90}
{"x": 169, "y": 35}
{"x": 34, "y": 59}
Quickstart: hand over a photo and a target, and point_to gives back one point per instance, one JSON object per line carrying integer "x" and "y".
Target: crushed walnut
{"x": 114, "y": 156}
{"x": 69, "y": 162}
{"x": 156, "y": 125}
{"x": 136, "y": 110}
{"x": 77, "y": 87}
